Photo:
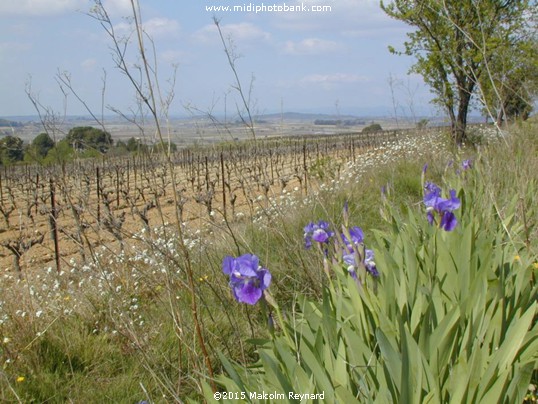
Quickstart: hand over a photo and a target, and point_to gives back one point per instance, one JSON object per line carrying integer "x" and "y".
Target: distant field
{"x": 202, "y": 129}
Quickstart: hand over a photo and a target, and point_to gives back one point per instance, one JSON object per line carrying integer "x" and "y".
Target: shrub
{"x": 373, "y": 128}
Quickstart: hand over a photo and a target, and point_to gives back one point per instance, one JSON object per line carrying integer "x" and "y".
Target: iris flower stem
{"x": 268, "y": 299}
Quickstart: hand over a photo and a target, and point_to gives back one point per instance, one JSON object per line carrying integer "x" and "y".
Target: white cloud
{"x": 161, "y": 27}
{"x": 40, "y": 7}
{"x": 118, "y": 7}
{"x": 242, "y": 32}
{"x": 155, "y": 28}
{"x": 312, "y": 46}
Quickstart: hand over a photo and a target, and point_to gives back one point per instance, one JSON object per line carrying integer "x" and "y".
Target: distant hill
{"x": 299, "y": 116}
{"x": 10, "y": 124}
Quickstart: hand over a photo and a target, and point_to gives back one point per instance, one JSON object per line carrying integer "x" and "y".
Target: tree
{"x": 87, "y": 137}
{"x": 372, "y": 128}
{"x": 11, "y": 150}
{"x": 455, "y": 42}
{"x": 164, "y": 147}
{"x": 133, "y": 144}
{"x": 509, "y": 91}
{"x": 61, "y": 153}
{"x": 42, "y": 144}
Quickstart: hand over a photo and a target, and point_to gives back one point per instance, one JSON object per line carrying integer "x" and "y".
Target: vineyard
{"x": 51, "y": 216}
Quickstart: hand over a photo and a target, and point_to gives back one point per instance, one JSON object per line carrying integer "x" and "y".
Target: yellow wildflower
{"x": 20, "y": 379}
{"x": 517, "y": 258}
{"x": 204, "y": 278}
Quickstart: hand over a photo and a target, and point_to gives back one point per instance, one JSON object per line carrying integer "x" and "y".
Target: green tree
{"x": 83, "y": 138}
{"x": 372, "y": 128}
{"x": 454, "y": 42}
{"x": 509, "y": 91}
{"x": 42, "y": 144}
{"x": 61, "y": 153}
{"x": 133, "y": 144}
{"x": 162, "y": 147}
{"x": 11, "y": 150}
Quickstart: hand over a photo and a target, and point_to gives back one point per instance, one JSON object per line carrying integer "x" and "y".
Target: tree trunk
{"x": 459, "y": 125}
{"x": 459, "y": 134}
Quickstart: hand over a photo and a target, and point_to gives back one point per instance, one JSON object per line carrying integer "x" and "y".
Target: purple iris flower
{"x": 432, "y": 189}
{"x": 318, "y": 232}
{"x": 449, "y": 204}
{"x": 357, "y": 236}
{"x": 448, "y": 221}
{"x": 349, "y": 259}
{"x": 369, "y": 264}
{"x": 435, "y": 204}
{"x": 466, "y": 164}
{"x": 248, "y": 279}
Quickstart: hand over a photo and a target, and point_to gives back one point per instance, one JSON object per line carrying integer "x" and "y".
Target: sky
{"x": 334, "y": 60}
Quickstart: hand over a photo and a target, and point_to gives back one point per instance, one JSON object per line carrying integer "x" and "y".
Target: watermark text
{"x": 270, "y": 8}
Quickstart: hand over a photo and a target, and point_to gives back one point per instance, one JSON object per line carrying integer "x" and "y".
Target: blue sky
{"x": 331, "y": 61}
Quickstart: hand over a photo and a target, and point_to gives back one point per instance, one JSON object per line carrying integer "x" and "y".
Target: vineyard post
{"x": 134, "y": 168}
{"x": 271, "y": 163}
{"x": 223, "y": 186}
{"x": 128, "y": 174}
{"x": 36, "y": 192}
{"x": 305, "y": 168}
{"x": 117, "y": 185}
{"x": 54, "y": 226}
{"x": 206, "y": 175}
{"x": 98, "y": 185}
{"x": 295, "y": 153}
{"x": 198, "y": 171}
{"x": 190, "y": 162}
